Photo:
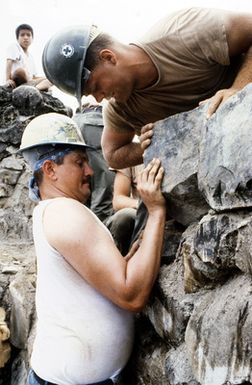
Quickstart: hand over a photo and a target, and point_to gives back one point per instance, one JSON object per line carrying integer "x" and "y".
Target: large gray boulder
{"x": 176, "y": 142}
{"x": 207, "y": 162}
{"x": 225, "y": 172}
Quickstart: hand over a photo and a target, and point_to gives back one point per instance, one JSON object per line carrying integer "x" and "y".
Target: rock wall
{"x": 196, "y": 328}
{"x": 200, "y": 312}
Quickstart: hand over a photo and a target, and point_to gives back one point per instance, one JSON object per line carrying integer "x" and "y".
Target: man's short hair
{"x": 102, "y": 41}
{"x": 23, "y": 26}
{"x": 38, "y": 174}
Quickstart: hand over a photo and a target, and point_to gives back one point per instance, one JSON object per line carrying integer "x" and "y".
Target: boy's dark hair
{"x": 23, "y": 26}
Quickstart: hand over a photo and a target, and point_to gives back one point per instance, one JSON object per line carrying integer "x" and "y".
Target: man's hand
{"x": 10, "y": 83}
{"x": 149, "y": 186}
{"x": 146, "y": 135}
{"x": 219, "y": 98}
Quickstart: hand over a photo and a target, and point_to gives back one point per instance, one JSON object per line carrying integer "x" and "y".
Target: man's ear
{"x": 108, "y": 55}
{"x": 49, "y": 169}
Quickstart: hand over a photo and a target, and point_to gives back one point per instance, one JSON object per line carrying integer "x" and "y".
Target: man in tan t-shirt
{"x": 187, "y": 57}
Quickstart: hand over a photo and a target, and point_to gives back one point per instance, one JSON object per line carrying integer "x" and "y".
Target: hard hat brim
{"x": 74, "y": 145}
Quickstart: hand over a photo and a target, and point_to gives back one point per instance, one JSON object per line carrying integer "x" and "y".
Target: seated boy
{"x": 20, "y": 65}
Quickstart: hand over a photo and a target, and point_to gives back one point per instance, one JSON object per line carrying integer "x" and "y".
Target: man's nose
{"x": 88, "y": 170}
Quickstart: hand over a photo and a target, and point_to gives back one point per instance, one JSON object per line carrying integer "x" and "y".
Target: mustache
{"x": 87, "y": 179}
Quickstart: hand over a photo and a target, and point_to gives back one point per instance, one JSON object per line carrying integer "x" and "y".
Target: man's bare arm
{"x": 119, "y": 150}
{"x": 90, "y": 249}
{"x": 122, "y": 193}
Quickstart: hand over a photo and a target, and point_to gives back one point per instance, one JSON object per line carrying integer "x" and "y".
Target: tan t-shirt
{"x": 189, "y": 49}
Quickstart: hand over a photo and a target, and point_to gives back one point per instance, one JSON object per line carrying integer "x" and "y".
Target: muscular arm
{"x": 89, "y": 248}
{"x": 239, "y": 32}
{"x": 118, "y": 149}
{"x": 239, "y": 38}
{"x": 122, "y": 192}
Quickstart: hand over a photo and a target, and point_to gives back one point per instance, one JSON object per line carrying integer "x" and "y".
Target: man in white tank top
{"x": 87, "y": 292}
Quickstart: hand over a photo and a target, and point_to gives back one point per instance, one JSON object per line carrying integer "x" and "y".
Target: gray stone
{"x": 3, "y": 151}
{"x": 19, "y": 370}
{"x": 26, "y": 99}
{"x": 9, "y": 177}
{"x": 147, "y": 363}
{"x": 12, "y": 163}
{"x": 22, "y": 299}
{"x": 178, "y": 368}
{"x": 52, "y": 104}
{"x": 5, "y": 95}
{"x": 13, "y": 133}
{"x": 175, "y": 142}
{"x": 8, "y": 116}
{"x": 5, "y": 190}
{"x": 16, "y": 210}
{"x": 170, "y": 307}
{"x": 11, "y": 269}
{"x": 215, "y": 247}
{"x": 225, "y": 174}
{"x": 218, "y": 334}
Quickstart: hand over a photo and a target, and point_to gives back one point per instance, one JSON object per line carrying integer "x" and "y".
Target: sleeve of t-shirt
{"x": 114, "y": 119}
{"x": 12, "y": 52}
{"x": 202, "y": 31}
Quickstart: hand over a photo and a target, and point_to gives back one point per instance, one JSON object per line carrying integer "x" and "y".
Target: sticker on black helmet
{"x": 67, "y": 50}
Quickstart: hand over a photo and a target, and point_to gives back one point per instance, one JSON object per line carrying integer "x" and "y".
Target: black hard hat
{"x": 64, "y": 57}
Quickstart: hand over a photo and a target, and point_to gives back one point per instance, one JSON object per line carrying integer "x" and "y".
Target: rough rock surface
{"x": 176, "y": 143}
{"x": 207, "y": 162}
{"x": 196, "y": 327}
{"x": 225, "y": 174}
{"x": 218, "y": 335}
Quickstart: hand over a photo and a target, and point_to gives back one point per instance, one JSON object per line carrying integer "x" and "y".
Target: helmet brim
{"x": 74, "y": 145}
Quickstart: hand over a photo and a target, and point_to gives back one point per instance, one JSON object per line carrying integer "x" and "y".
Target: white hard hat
{"x": 51, "y": 129}
{"x": 49, "y": 133}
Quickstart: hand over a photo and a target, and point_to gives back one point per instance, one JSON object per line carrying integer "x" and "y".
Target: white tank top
{"x": 81, "y": 336}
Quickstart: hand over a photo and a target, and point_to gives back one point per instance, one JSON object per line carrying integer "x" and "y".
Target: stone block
{"x": 22, "y": 294}
{"x": 218, "y": 335}
{"x": 216, "y": 247}
{"x": 176, "y": 142}
{"x": 225, "y": 173}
